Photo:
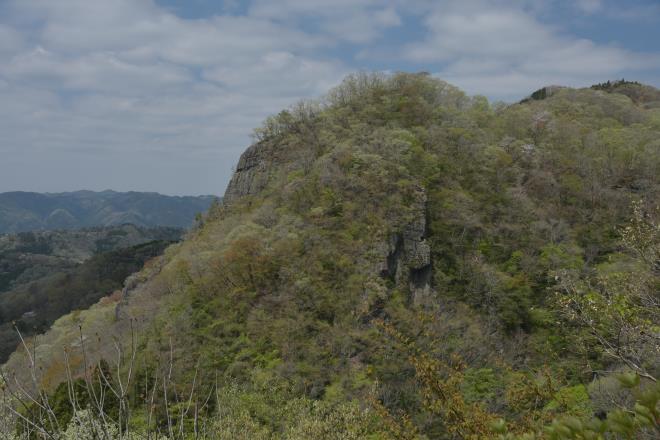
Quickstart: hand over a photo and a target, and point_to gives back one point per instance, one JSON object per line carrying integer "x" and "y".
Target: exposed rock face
{"x": 130, "y": 284}
{"x": 409, "y": 254}
{"x": 405, "y": 258}
{"x": 253, "y": 171}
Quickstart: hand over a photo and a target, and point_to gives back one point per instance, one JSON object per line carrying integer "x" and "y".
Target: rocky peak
{"x": 253, "y": 171}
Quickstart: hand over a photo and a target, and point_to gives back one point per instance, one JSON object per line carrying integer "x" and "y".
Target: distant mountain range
{"x": 29, "y": 211}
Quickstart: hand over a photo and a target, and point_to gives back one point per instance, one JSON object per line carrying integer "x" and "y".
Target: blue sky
{"x": 161, "y": 95}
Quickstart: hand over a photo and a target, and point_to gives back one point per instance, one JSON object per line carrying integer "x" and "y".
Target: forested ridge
{"x": 395, "y": 261}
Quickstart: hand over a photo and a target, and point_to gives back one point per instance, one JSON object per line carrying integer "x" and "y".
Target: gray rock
{"x": 253, "y": 171}
{"x": 408, "y": 255}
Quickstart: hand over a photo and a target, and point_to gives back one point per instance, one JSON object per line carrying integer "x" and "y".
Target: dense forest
{"x": 395, "y": 261}
{"x": 28, "y": 256}
{"x": 32, "y": 307}
{"x": 47, "y": 274}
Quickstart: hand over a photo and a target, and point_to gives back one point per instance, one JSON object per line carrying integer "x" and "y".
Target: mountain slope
{"x": 47, "y": 274}
{"x": 25, "y": 211}
{"x": 406, "y": 249}
{"x": 28, "y": 256}
{"x": 31, "y": 308}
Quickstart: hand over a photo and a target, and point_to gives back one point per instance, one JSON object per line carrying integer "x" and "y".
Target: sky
{"x": 162, "y": 95}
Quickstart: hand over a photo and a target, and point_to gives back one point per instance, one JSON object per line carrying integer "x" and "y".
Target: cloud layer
{"x": 502, "y": 49}
{"x": 125, "y": 94}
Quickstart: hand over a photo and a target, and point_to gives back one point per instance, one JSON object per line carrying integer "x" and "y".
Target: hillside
{"x": 27, "y": 211}
{"x": 28, "y": 256}
{"x": 47, "y": 274}
{"x": 397, "y": 261}
{"x": 31, "y": 308}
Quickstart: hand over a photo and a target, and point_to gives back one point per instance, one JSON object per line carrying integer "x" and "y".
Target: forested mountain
{"x": 28, "y": 211}
{"x": 396, "y": 261}
{"x": 47, "y": 274}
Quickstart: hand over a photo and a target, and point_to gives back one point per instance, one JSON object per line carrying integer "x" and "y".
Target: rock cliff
{"x": 407, "y": 254}
{"x": 253, "y": 170}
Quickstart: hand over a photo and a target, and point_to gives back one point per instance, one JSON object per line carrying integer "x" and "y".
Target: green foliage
{"x": 327, "y": 242}
{"x": 480, "y": 384}
{"x": 573, "y": 400}
{"x": 258, "y": 415}
{"x": 32, "y": 308}
{"x": 66, "y": 409}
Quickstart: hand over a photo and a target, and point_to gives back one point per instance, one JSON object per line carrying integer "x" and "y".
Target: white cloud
{"x": 129, "y": 82}
{"x": 589, "y": 6}
{"x": 126, "y": 94}
{"x": 96, "y": 72}
{"x": 305, "y": 77}
{"x": 502, "y": 50}
{"x": 11, "y": 40}
{"x": 354, "y": 21}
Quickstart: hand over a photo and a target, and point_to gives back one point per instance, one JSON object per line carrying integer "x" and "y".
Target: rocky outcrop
{"x": 408, "y": 254}
{"x": 404, "y": 258}
{"x": 253, "y": 171}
